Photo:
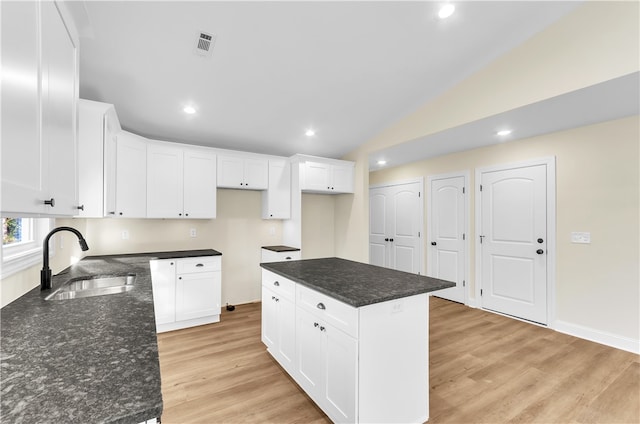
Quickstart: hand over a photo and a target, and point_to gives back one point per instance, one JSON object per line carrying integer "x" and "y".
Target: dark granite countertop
{"x": 355, "y": 283}
{"x": 281, "y": 248}
{"x": 84, "y": 360}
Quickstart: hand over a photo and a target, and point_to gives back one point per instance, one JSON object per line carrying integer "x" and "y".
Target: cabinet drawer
{"x": 333, "y": 312}
{"x": 199, "y": 264}
{"x": 279, "y": 285}
{"x": 271, "y": 256}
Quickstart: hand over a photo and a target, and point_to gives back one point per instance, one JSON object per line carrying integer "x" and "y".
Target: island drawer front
{"x": 279, "y": 285}
{"x": 332, "y": 311}
{"x": 199, "y": 264}
{"x": 271, "y": 256}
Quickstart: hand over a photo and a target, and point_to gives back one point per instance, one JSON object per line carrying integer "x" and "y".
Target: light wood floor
{"x": 484, "y": 368}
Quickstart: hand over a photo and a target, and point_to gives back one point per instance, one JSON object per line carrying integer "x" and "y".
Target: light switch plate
{"x": 584, "y": 238}
{"x": 193, "y": 232}
{"x": 125, "y": 234}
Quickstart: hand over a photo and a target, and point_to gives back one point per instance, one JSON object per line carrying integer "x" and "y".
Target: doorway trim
{"x": 550, "y": 162}
{"x": 420, "y": 181}
{"x": 467, "y": 224}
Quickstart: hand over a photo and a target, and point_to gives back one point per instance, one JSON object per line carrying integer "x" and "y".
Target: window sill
{"x": 20, "y": 261}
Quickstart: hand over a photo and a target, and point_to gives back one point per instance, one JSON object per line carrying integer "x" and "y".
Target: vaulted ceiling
{"x": 346, "y": 69}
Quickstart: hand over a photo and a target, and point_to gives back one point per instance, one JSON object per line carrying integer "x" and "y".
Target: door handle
{"x": 386, "y": 239}
{"x": 433, "y": 243}
{"x": 540, "y": 240}
{"x": 390, "y": 239}
{"x": 539, "y": 251}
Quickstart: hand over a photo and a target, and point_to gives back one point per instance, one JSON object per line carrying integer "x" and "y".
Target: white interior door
{"x": 447, "y": 235}
{"x": 513, "y": 237}
{"x": 395, "y": 226}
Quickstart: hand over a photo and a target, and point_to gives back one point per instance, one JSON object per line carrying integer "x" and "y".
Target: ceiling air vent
{"x": 205, "y": 43}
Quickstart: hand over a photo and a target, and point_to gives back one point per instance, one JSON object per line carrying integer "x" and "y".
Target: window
{"x": 22, "y": 243}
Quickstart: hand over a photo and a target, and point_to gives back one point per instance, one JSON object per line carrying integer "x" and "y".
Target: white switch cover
{"x": 125, "y": 234}
{"x": 193, "y": 232}
{"x": 584, "y": 238}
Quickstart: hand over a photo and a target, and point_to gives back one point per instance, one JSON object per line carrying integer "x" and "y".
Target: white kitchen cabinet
{"x": 279, "y": 254}
{"x": 128, "y": 174}
{"x": 39, "y": 110}
{"x": 318, "y": 176}
{"x": 366, "y": 364}
{"x": 276, "y": 200}
{"x": 199, "y": 184}
{"x": 326, "y": 365}
{"x": 278, "y": 319}
{"x": 181, "y": 182}
{"x": 163, "y": 277}
{"x": 186, "y": 291}
{"x": 250, "y": 173}
{"x": 98, "y": 123}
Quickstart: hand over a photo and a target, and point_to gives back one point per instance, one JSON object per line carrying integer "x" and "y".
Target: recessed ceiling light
{"x": 502, "y": 133}
{"x": 189, "y": 109}
{"x": 382, "y": 162}
{"x": 446, "y": 10}
{"x": 310, "y": 133}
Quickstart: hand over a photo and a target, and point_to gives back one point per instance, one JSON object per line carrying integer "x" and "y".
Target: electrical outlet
{"x": 193, "y": 232}
{"x": 584, "y": 238}
{"x": 125, "y": 234}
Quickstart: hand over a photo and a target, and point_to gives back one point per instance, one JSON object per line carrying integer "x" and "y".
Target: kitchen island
{"x": 355, "y": 337}
{"x": 84, "y": 360}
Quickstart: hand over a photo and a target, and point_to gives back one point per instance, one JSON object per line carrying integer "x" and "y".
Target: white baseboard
{"x": 472, "y": 303}
{"x": 602, "y": 337}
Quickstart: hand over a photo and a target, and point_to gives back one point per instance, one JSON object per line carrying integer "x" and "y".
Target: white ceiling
{"x": 613, "y": 99}
{"x": 346, "y": 69}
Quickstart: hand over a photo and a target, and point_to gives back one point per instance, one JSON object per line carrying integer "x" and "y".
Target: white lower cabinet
{"x": 186, "y": 291}
{"x": 274, "y": 256}
{"x": 368, "y": 364}
{"x": 278, "y": 329}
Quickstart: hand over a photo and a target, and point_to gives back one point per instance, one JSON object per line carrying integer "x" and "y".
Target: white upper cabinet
{"x": 39, "y": 110}
{"x": 250, "y": 173}
{"x": 276, "y": 200}
{"x": 199, "y": 184}
{"x": 181, "y": 183}
{"x": 326, "y": 176}
{"x": 130, "y": 176}
{"x": 98, "y": 123}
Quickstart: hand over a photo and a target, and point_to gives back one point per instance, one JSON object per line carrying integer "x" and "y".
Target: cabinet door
{"x": 269, "y": 319}
{"x": 197, "y": 295}
{"x": 199, "y": 184}
{"x": 230, "y": 172}
{"x": 342, "y": 179}
{"x": 59, "y": 110}
{"x": 256, "y": 174}
{"x": 131, "y": 176}
{"x": 110, "y": 172}
{"x": 163, "y": 280}
{"x": 309, "y": 354}
{"x": 22, "y": 150}
{"x": 317, "y": 177}
{"x": 164, "y": 181}
{"x": 286, "y": 342}
{"x": 276, "y": 200}
{"x": 341, "y": 356}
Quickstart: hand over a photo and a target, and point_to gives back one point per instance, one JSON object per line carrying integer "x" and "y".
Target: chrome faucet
{"x": 45, "y": 274}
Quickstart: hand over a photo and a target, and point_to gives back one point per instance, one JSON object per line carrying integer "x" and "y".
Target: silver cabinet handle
{"x": 199, "y": 265}
{"x": 321, "y": 306}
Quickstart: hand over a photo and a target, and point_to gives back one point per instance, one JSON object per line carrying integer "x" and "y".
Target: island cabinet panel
{"x": 278, "y": 319}
{"x": 367, "y": 364}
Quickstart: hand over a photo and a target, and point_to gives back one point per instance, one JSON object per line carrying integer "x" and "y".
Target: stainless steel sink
{"x": 93, "y": 286}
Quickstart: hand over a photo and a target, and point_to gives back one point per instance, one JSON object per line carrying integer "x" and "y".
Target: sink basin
{"x": 93, "y": 286}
